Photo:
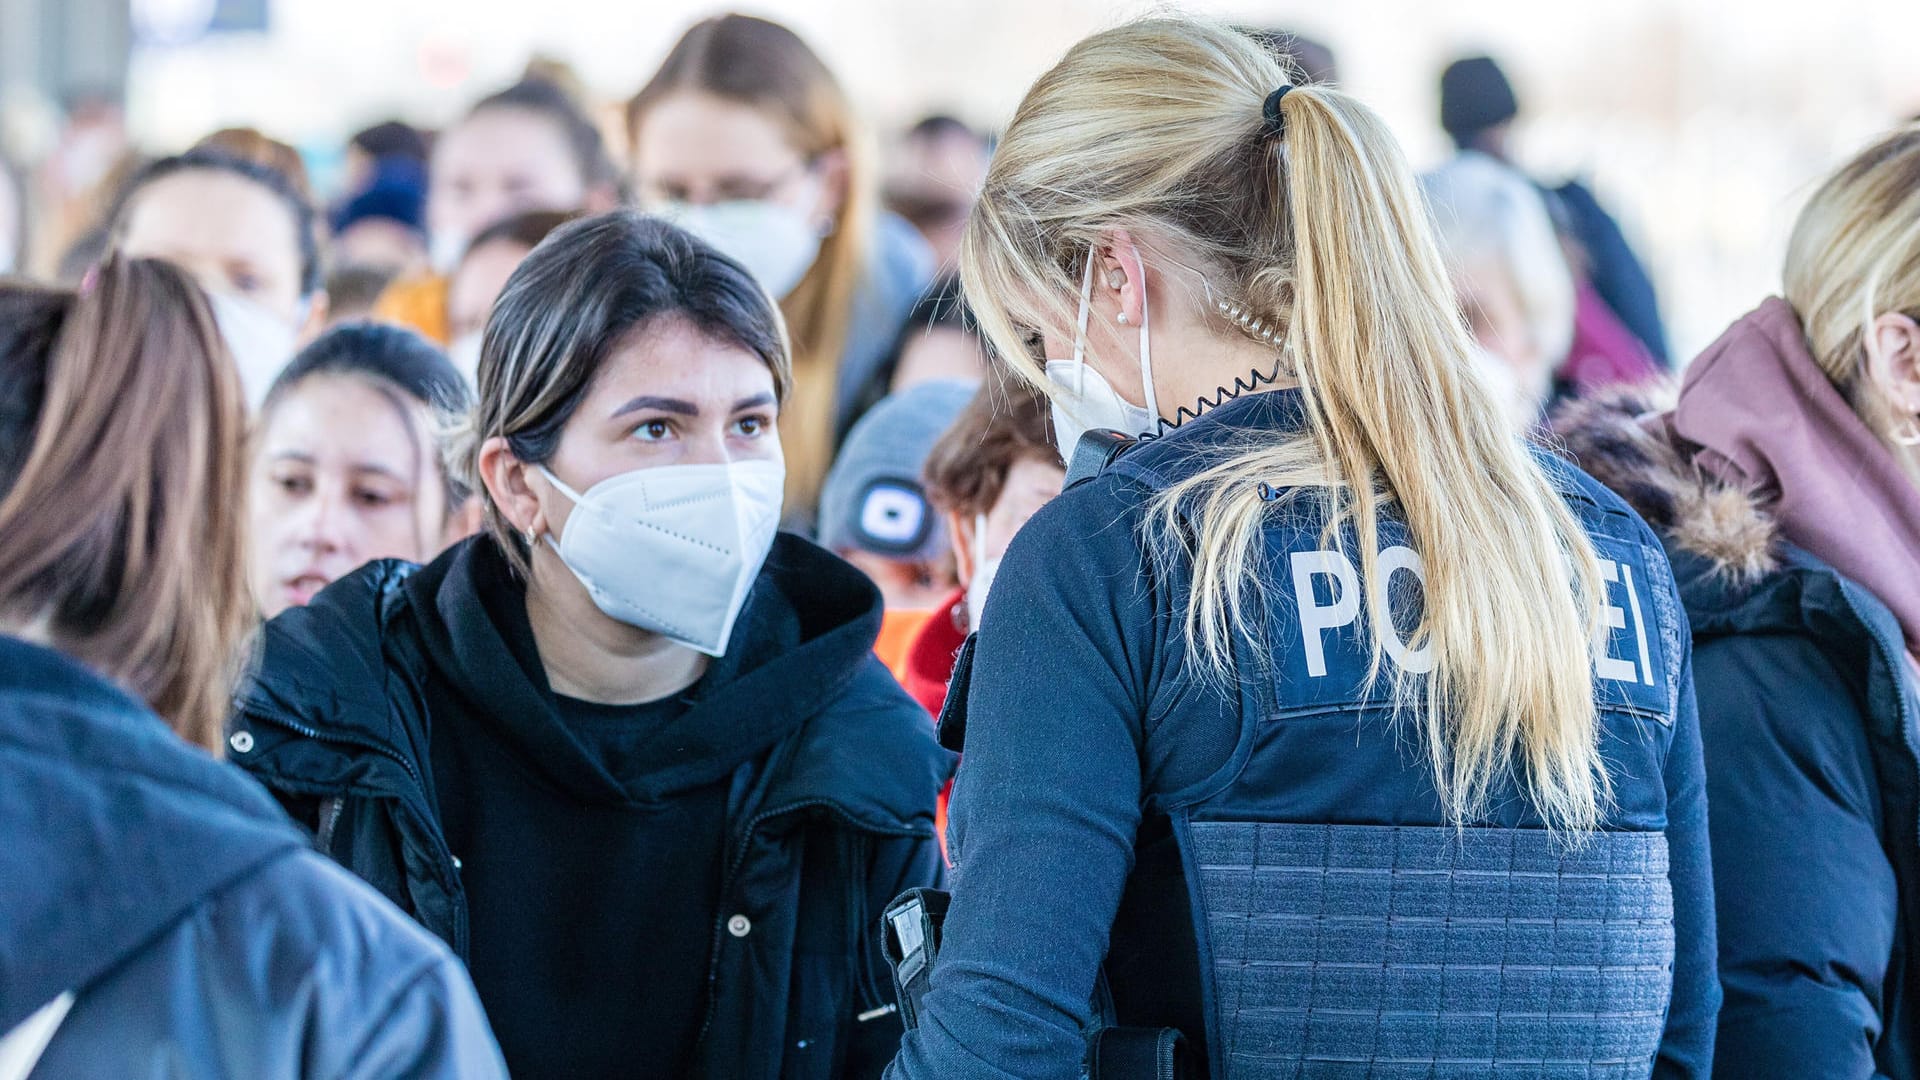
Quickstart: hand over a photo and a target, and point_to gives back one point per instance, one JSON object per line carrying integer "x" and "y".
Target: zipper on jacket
{"x": 442, "y": 854}
{"x": 869, "y": 1000}
{"x": 307, "y": 731}
{"x": 1896, "y": 660}
{"x": 329, "y": 820}
{"x": 733, "y": 873}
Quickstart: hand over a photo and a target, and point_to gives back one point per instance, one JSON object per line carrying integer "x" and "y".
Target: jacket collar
{"x": 114, "y": 827}
{"x": 801, "y": 667}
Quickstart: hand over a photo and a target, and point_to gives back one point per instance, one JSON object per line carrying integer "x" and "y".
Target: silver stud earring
{"x": 1122, "y": 317}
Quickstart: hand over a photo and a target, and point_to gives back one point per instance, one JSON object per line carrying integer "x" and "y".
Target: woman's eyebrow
{"x": 662, "y": 404}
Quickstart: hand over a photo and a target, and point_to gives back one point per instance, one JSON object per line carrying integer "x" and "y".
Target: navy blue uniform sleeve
{"x": 1807, "y": 897}
{"x": 1046, "y": 803}
{"x": 1686, "y": 1048}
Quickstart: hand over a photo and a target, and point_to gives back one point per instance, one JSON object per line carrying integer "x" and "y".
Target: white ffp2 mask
{"x": 1083, "y": 400}
{"x": 261, "y": 342}
{"x": 776, "y": 243}
{"x": 674, "y": 549}
{"x": 984, "y": 568}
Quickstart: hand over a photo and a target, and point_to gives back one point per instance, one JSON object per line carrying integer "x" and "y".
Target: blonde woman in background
{"x": 1332, "y": 731}
{"x": 1784, "y": 485}
{"x": 746, "y": 139}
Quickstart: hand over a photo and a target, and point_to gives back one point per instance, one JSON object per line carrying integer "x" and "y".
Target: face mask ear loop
{"x": 572, "y": 496}
{"x": 1080, "y": 332}
{"x": 1146, "y": 353}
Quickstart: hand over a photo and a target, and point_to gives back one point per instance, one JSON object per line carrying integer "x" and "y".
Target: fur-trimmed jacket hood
{"x": 1807, "y": 703}
{"x": 1622, "y": 438}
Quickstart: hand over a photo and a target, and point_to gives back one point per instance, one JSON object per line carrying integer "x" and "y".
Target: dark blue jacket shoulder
{"x": 299, "y": 969}
{"x": 1808, "y": 711}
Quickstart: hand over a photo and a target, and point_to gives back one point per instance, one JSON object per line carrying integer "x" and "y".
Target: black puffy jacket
{"x": 837, "y": 770}
{"x": 1810, "y": 719}
{"x": 198, "y": 935}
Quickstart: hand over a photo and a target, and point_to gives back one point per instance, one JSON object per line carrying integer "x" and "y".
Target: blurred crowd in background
{"x": 387, "y": 292}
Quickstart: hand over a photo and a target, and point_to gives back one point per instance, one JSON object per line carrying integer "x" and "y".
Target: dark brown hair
{"x": 568, "y": 306}
{"x": 252, "y": 144}
{"x": 1005, "y": 423}
{"x": 524, "y": 229}
{"x": 122, "y": 486}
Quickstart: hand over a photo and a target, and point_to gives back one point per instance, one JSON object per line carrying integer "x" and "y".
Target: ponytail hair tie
{"x": 1276, "y": 124}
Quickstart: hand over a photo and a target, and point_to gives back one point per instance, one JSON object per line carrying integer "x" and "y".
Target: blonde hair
{"x": 764, "y": 65}
{"x": 1855, "y": 254}
{"x": 1156, "y": 127}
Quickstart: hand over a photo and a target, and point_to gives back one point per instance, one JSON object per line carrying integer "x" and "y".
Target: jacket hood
{"x": 801, "y": 650}
{"x": 114, "y": 828}
{"x": 1621, "y": 438}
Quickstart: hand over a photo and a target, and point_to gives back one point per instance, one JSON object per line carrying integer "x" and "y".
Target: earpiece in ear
{"x": 1115, "y": 279}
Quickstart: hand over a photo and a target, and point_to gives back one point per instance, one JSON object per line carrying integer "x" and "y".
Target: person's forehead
{"x": 343, "y": 422}
{"x": 208, "y": 215}
{"x": 1030, "y": 482}
{"x": 503, "y": 138}
{"x": 699, "y": 135}
{"x": 481, "y": 277}
{"x": 671, "y": 358}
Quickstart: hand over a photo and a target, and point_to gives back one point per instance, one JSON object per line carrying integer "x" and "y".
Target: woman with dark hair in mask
{"x": 248, "y": 235}
{"x": 745, "y": 138}
{"x": 162, "y": 916}
{"x": 347, "y": 463}
{"x": 627, "y": 750}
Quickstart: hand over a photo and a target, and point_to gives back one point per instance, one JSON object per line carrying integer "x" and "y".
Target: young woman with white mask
{"x": 251, "y": 239}
{"x": 1305, "y": 732}
{"x": 745, "y": 138}
{"x": 644, "y": 773}
{"x": 530, "y": 146}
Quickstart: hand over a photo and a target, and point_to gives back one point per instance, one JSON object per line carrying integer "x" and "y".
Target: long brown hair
{"x": 122, "y": 483}
{"x": 762, "y": 64}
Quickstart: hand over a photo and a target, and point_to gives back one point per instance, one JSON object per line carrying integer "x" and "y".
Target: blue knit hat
{"x": 398, "y": 192}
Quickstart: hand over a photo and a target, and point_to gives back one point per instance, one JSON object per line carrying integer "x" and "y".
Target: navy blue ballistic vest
{"x": 1343, "y": 929}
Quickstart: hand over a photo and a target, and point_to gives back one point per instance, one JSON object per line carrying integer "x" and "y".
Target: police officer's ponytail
{"x": 1298, "y": 208}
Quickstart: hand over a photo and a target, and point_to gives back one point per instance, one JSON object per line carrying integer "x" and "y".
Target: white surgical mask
{"x": 1083, "y": 400}
{"x": 984, "y": 567}
{"x": 674, "y": 549}
{"x": 465, "y": 354}
{"x": 445, "y": 250}
{"x": 261, "y": 342}
{"x": 776, "y": 243}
